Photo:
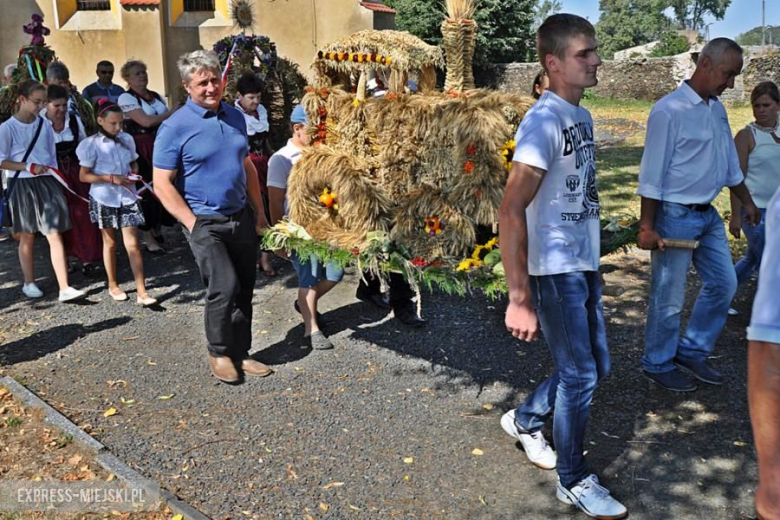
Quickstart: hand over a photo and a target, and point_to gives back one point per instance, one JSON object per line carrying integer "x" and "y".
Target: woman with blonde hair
{"x": 758, "y": 148}
{"x": 144, "y": 111}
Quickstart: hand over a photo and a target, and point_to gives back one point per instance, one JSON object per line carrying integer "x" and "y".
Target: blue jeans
{"x": 312, "y": 271}
{"x": 715, "y": 267}
{"x": 572, "y": 319}
{"x": 755, "y": 239}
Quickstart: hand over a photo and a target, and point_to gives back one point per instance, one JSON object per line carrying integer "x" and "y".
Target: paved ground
{"x": 384, "y": 426}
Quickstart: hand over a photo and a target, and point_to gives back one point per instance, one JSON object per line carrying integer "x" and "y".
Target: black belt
{"x": 698, "y": 207}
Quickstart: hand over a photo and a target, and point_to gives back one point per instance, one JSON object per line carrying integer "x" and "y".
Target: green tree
{"x": 544, "y": 9}
{"x": 505, "y": 27}
{"x": 753, "y": 36}
{"x": 628, "y": 23}
{"x": 690, "y": 14}
{"x": 671, "y": 44}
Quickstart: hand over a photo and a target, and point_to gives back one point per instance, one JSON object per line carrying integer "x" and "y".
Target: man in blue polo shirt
{"x": 205, "y": 179}
{"x": 104, "y": 86}
{"x": 689, "y": 157}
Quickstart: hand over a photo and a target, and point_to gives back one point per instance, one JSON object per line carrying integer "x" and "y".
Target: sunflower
{"x": 468, "y": 263}
{"x": 507, "y": 152}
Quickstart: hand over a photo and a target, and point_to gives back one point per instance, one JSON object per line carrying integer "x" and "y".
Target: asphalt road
{"x": 392, "y": 423}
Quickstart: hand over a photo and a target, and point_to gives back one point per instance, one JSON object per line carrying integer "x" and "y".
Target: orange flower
{"x": 468, "y": 166}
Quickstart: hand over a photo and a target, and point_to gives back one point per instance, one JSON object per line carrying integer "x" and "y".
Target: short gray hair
{"x": 717, "y": 48}
{"x": 57, "y": 71}
{"x": 194, "y": 61}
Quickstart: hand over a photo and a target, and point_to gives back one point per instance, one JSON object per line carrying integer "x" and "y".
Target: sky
{"x": 741, "y": 16}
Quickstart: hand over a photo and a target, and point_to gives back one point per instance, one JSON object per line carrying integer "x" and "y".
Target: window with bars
{"x": 93, "y": 5}
{"x": 199, "y": 5}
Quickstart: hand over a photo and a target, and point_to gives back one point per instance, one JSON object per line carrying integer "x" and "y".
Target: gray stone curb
{"x": 104, "y": 457}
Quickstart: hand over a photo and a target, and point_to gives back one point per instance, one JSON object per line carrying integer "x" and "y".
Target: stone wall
{"x": 758, "y": 69}
{"x": 648, "y": 79}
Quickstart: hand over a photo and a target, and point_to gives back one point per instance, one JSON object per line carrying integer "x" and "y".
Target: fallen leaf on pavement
{"x": 408, "y": 460}
{"x": 110, "y": 412}
{"x": 332, "y": 484}
{"x": 324, "y": 507}
{"x": 487, "y": 406}
{"x": 477, "y": 451}
{"x": 166, "y": 397}
{"x": 74, "y": 460}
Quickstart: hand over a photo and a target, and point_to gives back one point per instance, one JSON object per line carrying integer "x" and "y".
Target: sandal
{"x": 146, "y": 301}
{"x": 118, "y": 295}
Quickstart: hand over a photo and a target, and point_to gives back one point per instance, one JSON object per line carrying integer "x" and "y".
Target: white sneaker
{"x": 70, "y": 294}
{"x": 593, "y": 499}
{"x": 535, "y": 445}
{"x": 733, "y": 311}
{"x": 31, "y": 290}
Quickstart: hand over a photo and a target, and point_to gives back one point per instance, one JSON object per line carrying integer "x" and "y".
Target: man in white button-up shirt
{"x": 689, "y": 157}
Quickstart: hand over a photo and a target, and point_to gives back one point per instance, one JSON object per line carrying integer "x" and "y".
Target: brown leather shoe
{"x": 252, "y": 367}
{"x": 223, "y": 369}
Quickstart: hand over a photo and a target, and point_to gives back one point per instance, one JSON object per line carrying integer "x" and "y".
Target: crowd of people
{"x": 549, "y": 236}
{"x": 208, "y": 166}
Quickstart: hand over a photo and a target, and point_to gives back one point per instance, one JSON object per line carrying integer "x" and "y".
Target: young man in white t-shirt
{"x": 764, "y": 368}
{"x": 549, "y": 234}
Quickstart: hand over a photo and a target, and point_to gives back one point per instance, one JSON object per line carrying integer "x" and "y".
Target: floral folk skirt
{"x": 107, "y": 217}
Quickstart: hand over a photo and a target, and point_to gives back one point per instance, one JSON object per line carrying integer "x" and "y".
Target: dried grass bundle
{"x": 406, "y": 52}
{"x": 461, "y": 9}
{"x": 419, "y": 156}
{"x": 362, "y": 205}
{"x": 408, "y": 228}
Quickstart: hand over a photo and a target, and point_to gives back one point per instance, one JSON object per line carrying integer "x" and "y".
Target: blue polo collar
{"x": 205, "y": 112}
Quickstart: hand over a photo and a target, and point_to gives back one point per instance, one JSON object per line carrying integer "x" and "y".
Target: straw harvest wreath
{"x": 408, "y": 182}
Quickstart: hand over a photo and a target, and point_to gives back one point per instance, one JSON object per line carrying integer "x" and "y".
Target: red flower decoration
{"x": 468, "y": 167}
{"x": 419, "y": 261}
{"x": 355, "y": 251}
{"x": 471, "y": 149}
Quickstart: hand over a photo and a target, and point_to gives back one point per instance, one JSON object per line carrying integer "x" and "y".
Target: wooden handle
{"x": 680, "y": 243}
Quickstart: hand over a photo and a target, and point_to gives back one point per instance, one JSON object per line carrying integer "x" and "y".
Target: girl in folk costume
{"x": 108, "y": 160}
{"x": 37, "y": 204}
{"x": 144, "y": 111}
{"x": 83, "y": 240}
{"x": 248, "y": 101}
